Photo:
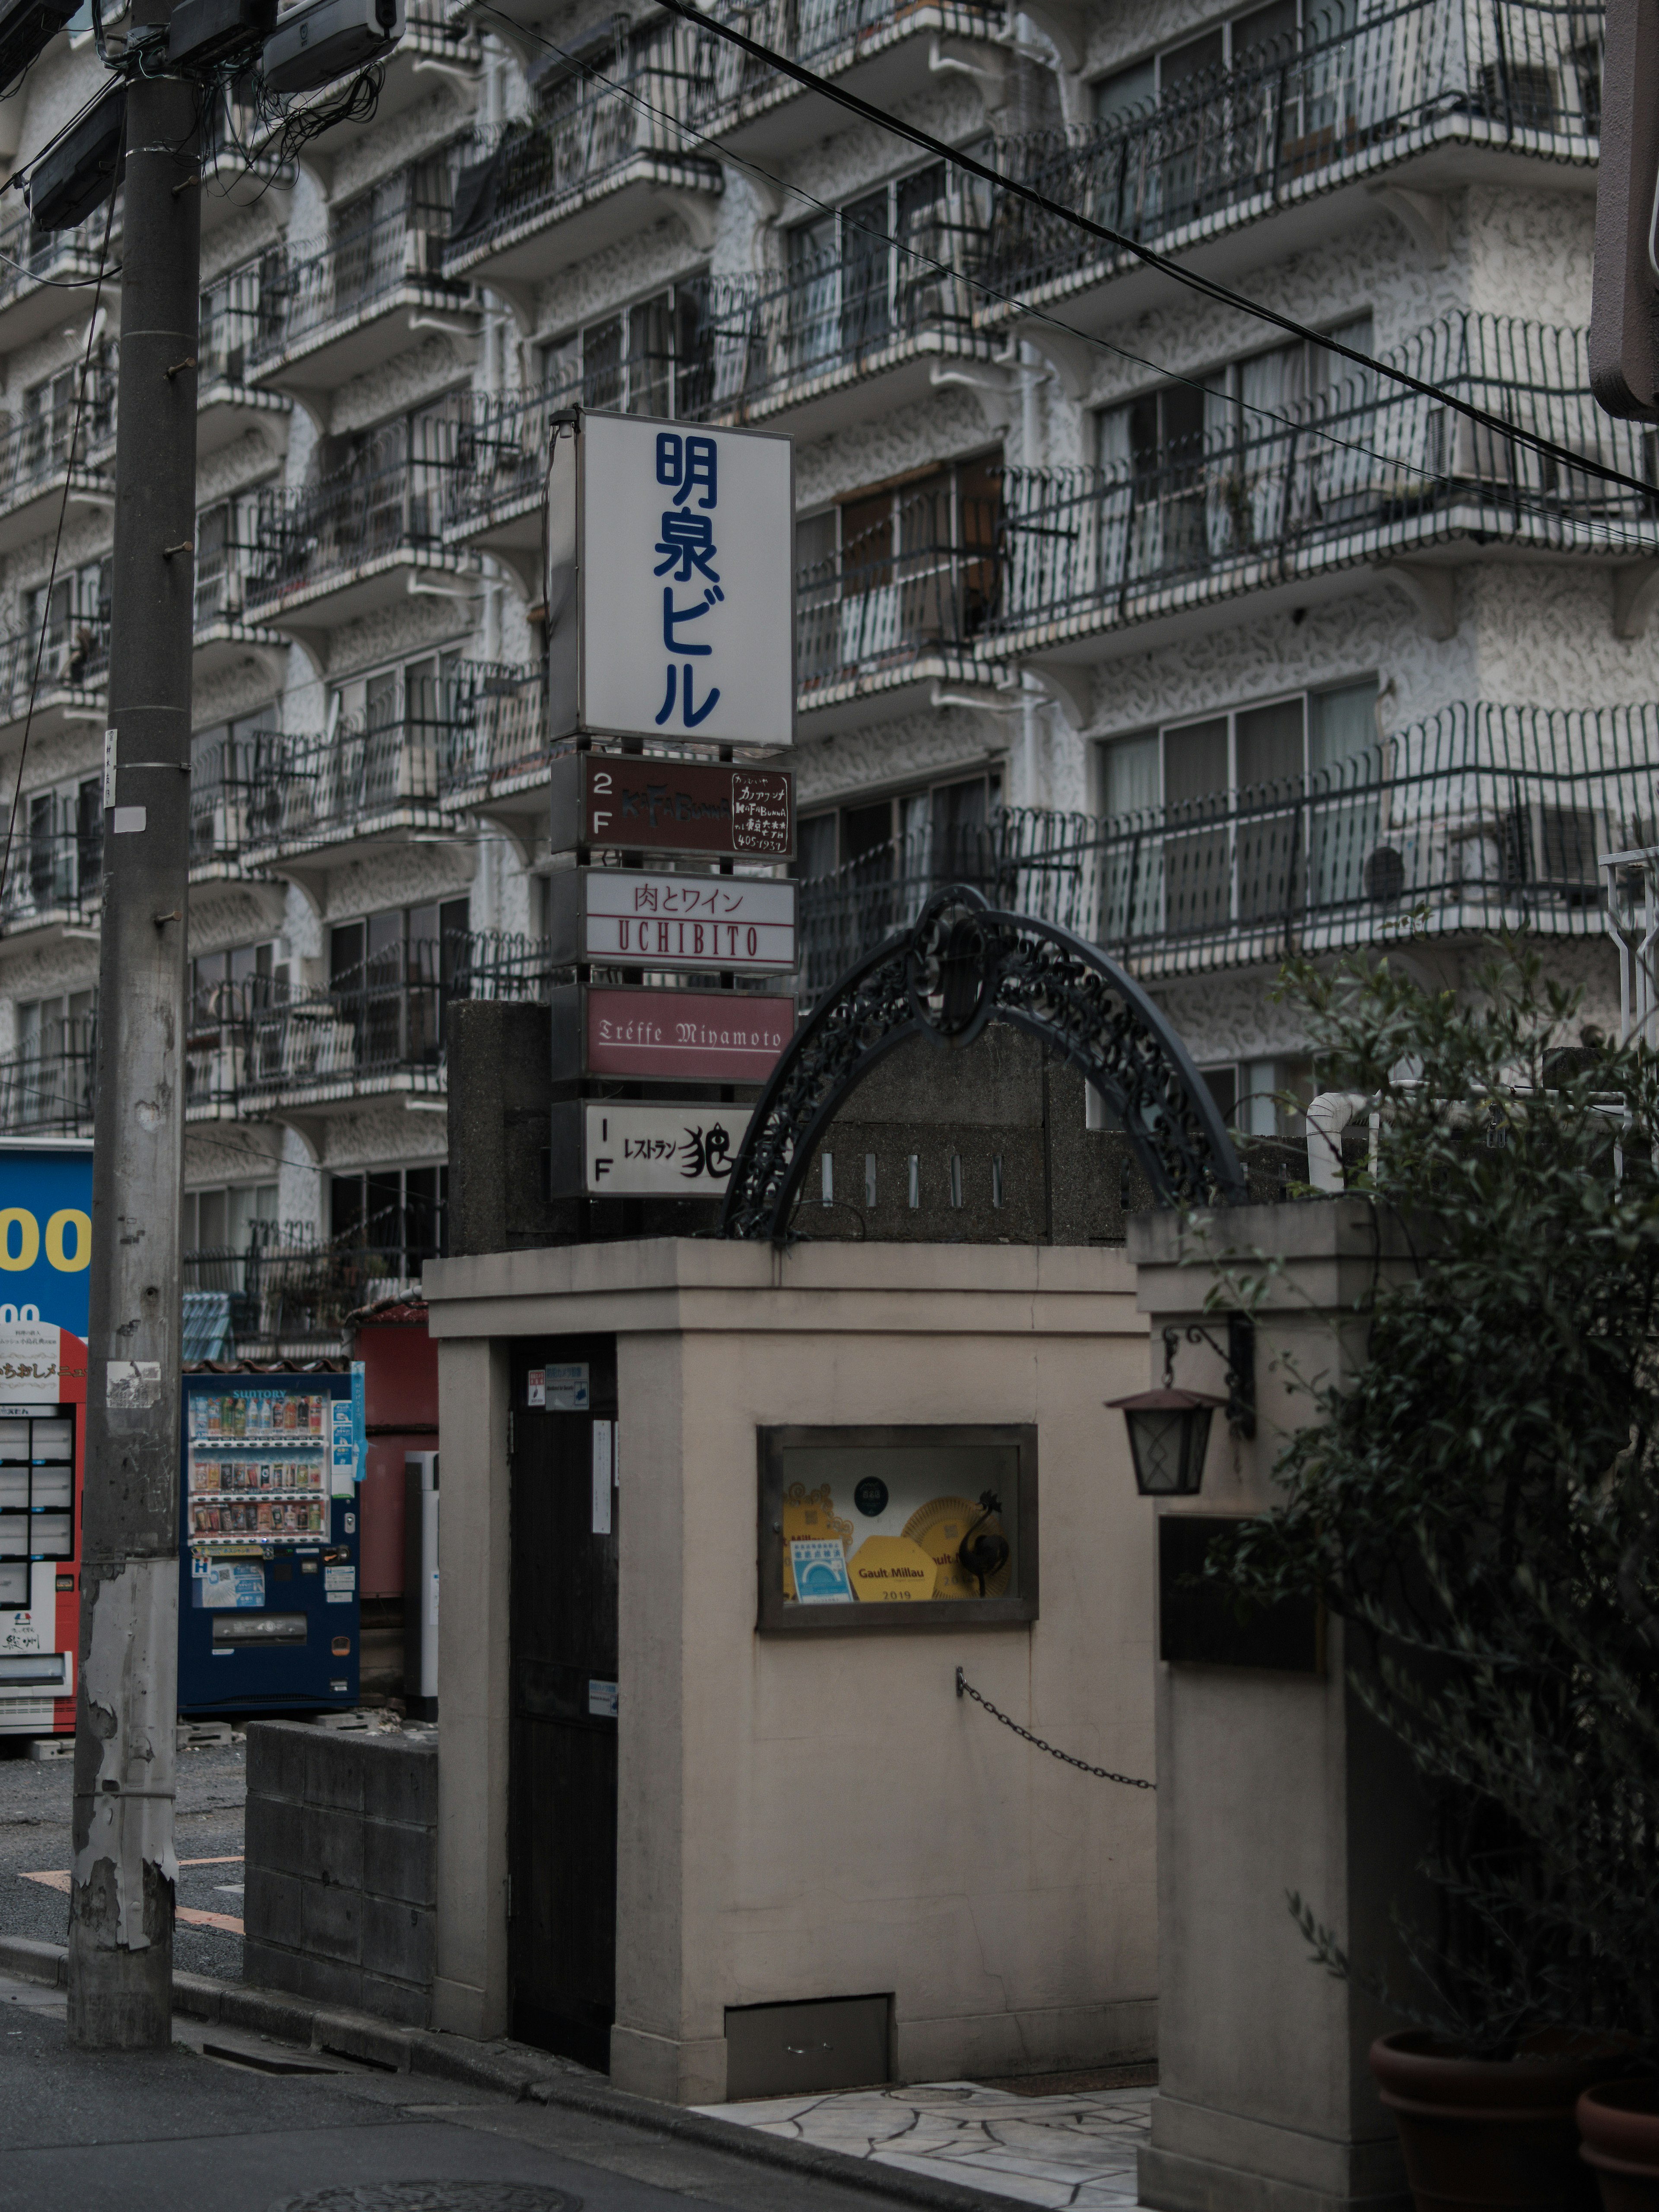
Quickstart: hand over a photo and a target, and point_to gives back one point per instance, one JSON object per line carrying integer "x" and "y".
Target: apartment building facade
{"x": 1207, "y": 638}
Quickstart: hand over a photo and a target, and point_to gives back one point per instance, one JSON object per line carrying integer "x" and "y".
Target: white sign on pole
{"x": 661, "y": 1151}
{"x": 654, "y": 920}
{"x": 670, "y": 583}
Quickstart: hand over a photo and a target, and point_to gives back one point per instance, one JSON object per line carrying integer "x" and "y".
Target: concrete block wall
{"x": 342, "y": 1867}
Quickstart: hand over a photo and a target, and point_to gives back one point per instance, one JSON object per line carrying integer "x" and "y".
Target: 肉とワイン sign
{"x": 651, "y": 919}
{"x": 656, "y": 1036}
{"x": 687, "y": 1150}
{"x": 671, "y": 594}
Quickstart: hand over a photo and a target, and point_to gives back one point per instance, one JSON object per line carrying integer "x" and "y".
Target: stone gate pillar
{"x": 1271, "y": 1777}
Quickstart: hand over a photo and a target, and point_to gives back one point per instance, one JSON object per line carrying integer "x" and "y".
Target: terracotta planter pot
{"x": 1620, "y": 2123}
{"x": 1501, "y": 2134}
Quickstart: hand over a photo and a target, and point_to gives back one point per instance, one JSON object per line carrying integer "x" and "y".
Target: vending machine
{"x": 43, "y": 1448}
{"x": 268, "y": 1601}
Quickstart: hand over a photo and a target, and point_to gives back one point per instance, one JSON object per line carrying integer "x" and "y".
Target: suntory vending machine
{"x": 268, "y": 1602}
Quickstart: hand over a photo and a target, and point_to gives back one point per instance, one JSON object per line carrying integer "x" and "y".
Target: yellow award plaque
{"x": 889, "y": 1570}
{"x": 939, "y": 1528}
{"x": 809, "y": 1513}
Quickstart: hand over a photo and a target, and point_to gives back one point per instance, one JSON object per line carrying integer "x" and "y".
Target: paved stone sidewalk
{"x": 1078, "y": 2150}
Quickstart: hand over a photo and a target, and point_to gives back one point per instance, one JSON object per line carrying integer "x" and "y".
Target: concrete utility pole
{"x": 120, "y": 1952}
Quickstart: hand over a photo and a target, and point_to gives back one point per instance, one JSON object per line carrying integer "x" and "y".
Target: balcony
{"x": 332, "y": 309}
{"x": 45, "y": 456}
{"x": 227, "y": 405}
{"x": 289, "y": 1293}
{"x": 352, "y": 543}
{"x": 230, "y": 555}
{"x": 497, "y": 751}
{"x": 429, "y": 53}
{"x": 65, "y": 674}
{"x": 377, "y": 1031}
{"x": 55, "y": 875}
{"x": 887, "y": 51}
{"x": 606, "y": 155}
{"x": 35, "y": 267}
{"x": 1433, "y": 94}
{"x": 804, "y": 350}
{"x": 46, "y": 1087}
{"x": 898, "y": 613}
{"x": 1286, "y": 504}
{"x": 1483, "y": 818}
{"x": 238, "y": 170}
{"x": 360, "y": 784}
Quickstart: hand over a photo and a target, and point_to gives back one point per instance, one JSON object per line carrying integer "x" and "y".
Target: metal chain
{"x": 965, "y": 1689}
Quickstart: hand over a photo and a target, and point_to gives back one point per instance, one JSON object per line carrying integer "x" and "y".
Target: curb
{"x": 513, "y": 2070}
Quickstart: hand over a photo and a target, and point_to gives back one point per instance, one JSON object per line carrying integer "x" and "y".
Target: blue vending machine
{"x": 268, "y": 1612}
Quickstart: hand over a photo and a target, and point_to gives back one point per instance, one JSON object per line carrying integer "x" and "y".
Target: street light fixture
{"x": 1169, "y": 1429}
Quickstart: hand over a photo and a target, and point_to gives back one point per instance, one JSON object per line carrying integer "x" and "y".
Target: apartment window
{"x": 656, "y": 357}
{"x": 1256, "y": 36}
{"x": 227, "y": 552}
{"x": 938, "y": 830}
{"x": 234, "y": 1217}
{"x": 1208, "y": 762}
{"x": 385, "y": 486}
{"x": 49, "y": 414}
{"x": 52, "y": 1076}
{"x": 232, "y": 987}
{"x": 395, "y": 232}
{"x": 386, "y": 733}
{"x": 889, "y": 263}
{"x": 395, "y": 1212}
{"x": 890, "y": 572}
{"x": 391, "y": 974}
{"x": 63, "y": 840}
{"x": 241, "y": 314}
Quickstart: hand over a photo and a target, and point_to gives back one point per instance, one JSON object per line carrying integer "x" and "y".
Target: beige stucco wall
{"x": 818, "y": 1817}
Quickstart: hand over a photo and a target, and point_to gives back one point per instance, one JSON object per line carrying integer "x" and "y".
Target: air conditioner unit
{"x": 328, "y": 40}
{"x": 423, "y": 254}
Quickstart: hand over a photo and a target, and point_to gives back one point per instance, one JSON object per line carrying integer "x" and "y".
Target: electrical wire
{"x": 1614, "y": 536}
{"x": 1190, "y": 278}
{"x": 52, "y": 573}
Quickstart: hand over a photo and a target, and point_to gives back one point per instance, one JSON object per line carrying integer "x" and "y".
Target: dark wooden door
{"x": 563, "y": 1781}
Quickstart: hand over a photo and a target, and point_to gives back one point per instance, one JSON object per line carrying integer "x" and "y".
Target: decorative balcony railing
{"x": 288, "y": 1287}
{"x": 918, "y": 587}
{"x": 1302, "y": 116}
{"x": 36, "y": 448}
{"x": 74, "y": 655}
{"x": 497, "y": 732}
{"x": 360, "y": 775}
{"x": 46, "y": 1085}
{"x": 1367, "y": 470}
{"x": 32, "y": 259}
{"x": 55, "y": 873}
{"x": 380, "y": 1027}
{"x": 639, "y": 94}
{"x": 826, "y": 35}
{"x": 1483, "y": 818}
{"x": 306, "y": 288}
{"x": 384, "y": 504}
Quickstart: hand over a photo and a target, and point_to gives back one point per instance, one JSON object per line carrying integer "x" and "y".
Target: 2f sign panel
{"x": 687, "y": 566}
{"x": 46, "y": 1235}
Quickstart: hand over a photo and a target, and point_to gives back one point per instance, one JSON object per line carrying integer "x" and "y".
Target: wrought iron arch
{"x": 964, "y": 964}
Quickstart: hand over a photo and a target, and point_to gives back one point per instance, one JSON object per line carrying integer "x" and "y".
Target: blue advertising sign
{"x": 46, "y": 1233}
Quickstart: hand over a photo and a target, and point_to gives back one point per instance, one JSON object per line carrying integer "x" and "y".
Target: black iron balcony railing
{"x": 30, "y": 258}
{"x": 55, "y": 874}
{"x": 242, "y": 319}
{"x": 1483, "y": 818}
{"x": 1302, "y": 116}
{"x": 230, "y": 557}
{"x": 384, "y": 505}
{"x": 921, "y": 586}
{"x": 497, "y": 732}
{"x": 378, "y": 1027}
{"x": 288, "y": 1286}
{"x": 638, "y": 95}
{"x": 826, "y": 35}
{"x": 74, "y": 655}
{"x": 46, "y": 1084}
{"x": 345, "y": 781}
{"x": 36, "y": 448}
{"x": 306, "y": 288}
{"x": 1367, "y": 470}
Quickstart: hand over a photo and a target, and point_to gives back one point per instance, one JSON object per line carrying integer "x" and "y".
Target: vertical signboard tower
{"x": 671, "y": 652}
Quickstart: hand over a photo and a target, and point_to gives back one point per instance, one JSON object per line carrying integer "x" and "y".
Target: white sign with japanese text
{"x": 661, "y": 1151}
{"x": 654, "y": 920}
{"x": 679, "y": 543}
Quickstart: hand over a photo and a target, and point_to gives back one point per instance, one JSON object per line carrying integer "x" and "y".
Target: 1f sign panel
{"x": 687, "y": 560}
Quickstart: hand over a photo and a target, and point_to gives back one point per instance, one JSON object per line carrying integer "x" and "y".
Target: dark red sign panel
{"x": 701, "y": 1037}
{"x": 618, "y": 803}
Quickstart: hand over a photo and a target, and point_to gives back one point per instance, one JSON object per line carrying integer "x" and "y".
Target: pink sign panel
{"x": 701, "y": 1036}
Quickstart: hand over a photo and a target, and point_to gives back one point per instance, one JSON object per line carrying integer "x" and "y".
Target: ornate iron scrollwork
{"x": 963, "y": 964}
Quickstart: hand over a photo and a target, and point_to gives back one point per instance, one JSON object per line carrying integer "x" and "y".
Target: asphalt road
{"x": 34, "y": 1839}
{"x": 155, "y": 2132}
